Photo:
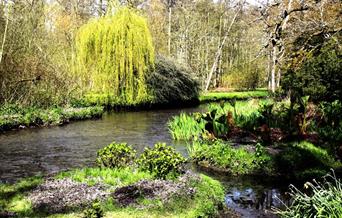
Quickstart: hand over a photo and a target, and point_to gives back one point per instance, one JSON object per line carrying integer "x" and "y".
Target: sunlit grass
{"x": 113, "y": 177}
{"x": 223, "y": 156}
{"x": 217, "y": 96}
{"x": 185, "y": 127}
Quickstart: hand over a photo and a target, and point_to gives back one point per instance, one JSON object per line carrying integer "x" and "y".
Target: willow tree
{"x": 115, "y": 54}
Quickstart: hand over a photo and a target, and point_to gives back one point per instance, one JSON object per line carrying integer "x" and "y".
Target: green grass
{"x": 208, "y": 198}
{"x": 13, "y": 116}
{"x": 237, "y": 161}
{"x": 321, "y": 199}
{"x": 217, "y": 96}
{"x": 206, "y": 202}
{"x": 113, "y": 177}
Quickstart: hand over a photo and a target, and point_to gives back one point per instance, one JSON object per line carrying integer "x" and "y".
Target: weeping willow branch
{"x": 114, "y": 55}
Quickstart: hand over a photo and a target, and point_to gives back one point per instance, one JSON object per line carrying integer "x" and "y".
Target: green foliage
{"x": 224, "y": 156}
{"x": 95, "y": 211}
{"x": 12, "y": 116}
{"x": 322, "y": 199}
{"x": 115, "y": 155}
{"x": 186, "y": 127}
{"x": 12, "y": 198}
{"x": 114, "y": 54}
{"x": 329, "y": 126}
{"x": 114, "y": 177}
{"x": 171, "y": 84}
{"x": 162, "y": 161}
{"x": 218, "y": 96}
{"x": 319, "y": 75}
{"x": 304, "y": 158}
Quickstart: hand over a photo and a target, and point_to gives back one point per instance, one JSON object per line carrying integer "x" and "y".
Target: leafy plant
{"x": 186, "y": 127}
{"x": 322, "y": 199}
{"x": 115, "y": 155}
{"x": 95, "y": 211}
{"x": 161, "y": 161}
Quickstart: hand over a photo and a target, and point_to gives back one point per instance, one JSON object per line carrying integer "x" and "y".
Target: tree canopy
{"x": 114, "y": 54}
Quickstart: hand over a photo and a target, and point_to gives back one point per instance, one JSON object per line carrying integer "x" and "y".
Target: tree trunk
{"x": 219, "y": 52}
{"x": 5, "y": 34}
{"x": 169, "y": 31}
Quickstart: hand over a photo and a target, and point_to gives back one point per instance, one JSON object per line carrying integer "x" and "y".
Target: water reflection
{"x": 47, "y": 150}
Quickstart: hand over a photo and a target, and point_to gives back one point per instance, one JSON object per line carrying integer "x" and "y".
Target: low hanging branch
{"x": 219, "y": 51}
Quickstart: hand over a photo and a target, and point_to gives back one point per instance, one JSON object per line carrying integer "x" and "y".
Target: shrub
{"x": 115, "y": 155}
{"x": 324, "y": 199}
{"x": 161, "y": 161}
{"x": 95, "y": 211}
{"x": 171, "y": 84}
{"x": 319, "y": 75}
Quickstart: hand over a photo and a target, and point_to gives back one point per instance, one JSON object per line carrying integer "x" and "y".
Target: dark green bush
{"x": 115, "y": 155}
{"x": 319, "y": 76}
{"x": 161, "y": 161}
{"x": 172, "y": 84}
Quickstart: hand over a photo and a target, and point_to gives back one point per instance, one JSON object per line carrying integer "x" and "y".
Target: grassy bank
{"x": 199, "y": 196}
{"x": 300, "y": 161}
{"x": 238, "y": 95}
{"x": 14, "y": 116}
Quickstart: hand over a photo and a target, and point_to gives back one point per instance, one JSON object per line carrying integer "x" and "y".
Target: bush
{"x": 161, "y": 161}
{"x": 319, "y": 75}
{"x": 95, "y": 211}
{"x": 324, "y": 201}
{"x": 171, "y": 84}
{"x": 115, "y": 155}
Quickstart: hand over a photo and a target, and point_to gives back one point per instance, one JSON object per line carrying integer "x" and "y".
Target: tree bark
{"x": 169, "y": 30}
{"x": 5, "y": 34}
{"x": 219, "y": 52}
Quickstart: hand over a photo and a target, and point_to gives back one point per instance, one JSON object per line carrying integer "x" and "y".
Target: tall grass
{"x": 324, "y": 199}
{"x": 185, "y": 127}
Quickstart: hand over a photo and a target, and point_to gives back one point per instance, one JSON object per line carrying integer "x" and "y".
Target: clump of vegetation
{"x": 172, "y": 85}
{"x": 162, "y": 161}
{"x": 185, "y": 127}
{"x": 237, "y": 161}
{"x": 316, "y": 72}
{"x": 114, "y": 54}
{"x": 13, "y": 116}
{"x": 95, "y": 211}
{"x": 115, "y": 155}
{"x": 321, "y": 199}
{"x": 304, "y": 160}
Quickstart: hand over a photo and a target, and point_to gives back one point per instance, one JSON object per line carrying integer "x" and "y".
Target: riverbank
{"x": 237, "y": 95}
{"x": 94, "y": 105}
{"x": 123, "y": 185}
{"x": 14, "y": 116}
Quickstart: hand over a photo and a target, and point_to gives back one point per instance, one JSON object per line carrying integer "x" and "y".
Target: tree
{"x": 114, "y": 55}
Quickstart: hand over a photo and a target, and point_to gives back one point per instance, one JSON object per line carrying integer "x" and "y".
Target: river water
{"x": 28, "y": 152}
